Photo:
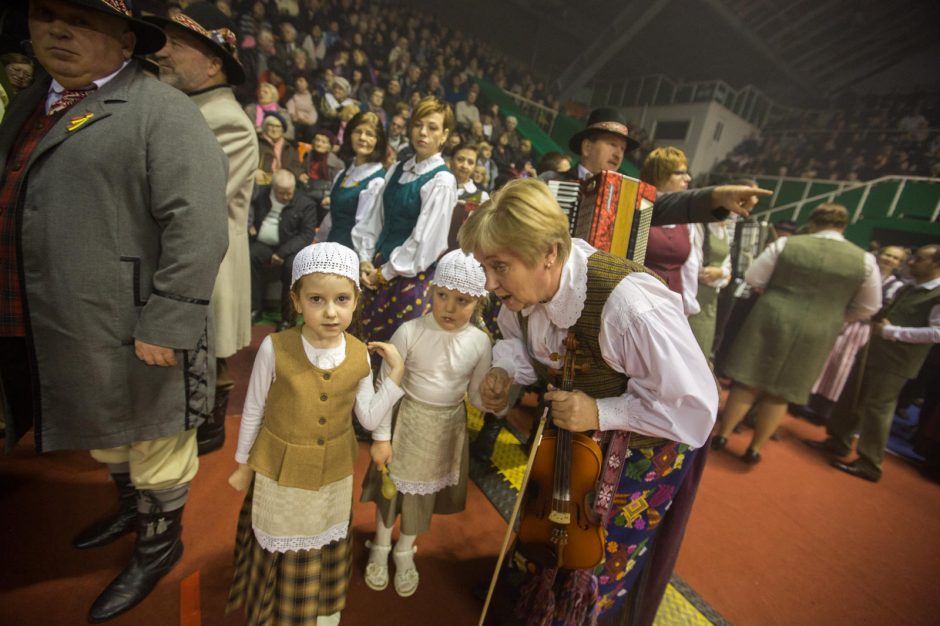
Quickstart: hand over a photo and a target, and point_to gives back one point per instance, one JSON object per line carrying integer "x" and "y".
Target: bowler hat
{"x": 149, "y": 37}
{"x": 603, "y": 120}
{"x": 207, "y": 22}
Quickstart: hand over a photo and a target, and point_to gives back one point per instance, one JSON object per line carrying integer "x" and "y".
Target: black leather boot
{"x": 210, "y": 435}
{"x": 107, "y": 530}
{"x": 159, "y": 547}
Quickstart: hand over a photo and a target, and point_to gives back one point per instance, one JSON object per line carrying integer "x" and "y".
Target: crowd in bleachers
{"x": 860, "y": 140}
{"x": 317, "y": 63}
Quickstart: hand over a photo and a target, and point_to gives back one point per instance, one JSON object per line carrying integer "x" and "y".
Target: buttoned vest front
{"x": 595, "y": 377}
{"x": 306, "y": 439}
{"x": 910, "y": 308}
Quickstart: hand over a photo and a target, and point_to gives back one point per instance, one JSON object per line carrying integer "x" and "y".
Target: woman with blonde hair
{"x": 645, "y": 394}
{"x": 669, "y": 249}
{"x": 405, "y": 230}
{"x": 267, "y": 103}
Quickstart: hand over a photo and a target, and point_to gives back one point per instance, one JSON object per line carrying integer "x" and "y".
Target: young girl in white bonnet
{"x": 427, "y": 456}
{"x": 296, "y": 448}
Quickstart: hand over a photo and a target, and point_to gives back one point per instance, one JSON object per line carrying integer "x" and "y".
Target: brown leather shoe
{"x": 856, "y": 470}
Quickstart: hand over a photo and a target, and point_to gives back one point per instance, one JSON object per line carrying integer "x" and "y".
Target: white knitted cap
{"x": 460, "y": 272}
{"x": 327, "y": 258}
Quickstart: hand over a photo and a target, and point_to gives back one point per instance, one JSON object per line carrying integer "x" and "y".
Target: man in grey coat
{"x": 112, "y": 228}
{"x": 201, "y": 60}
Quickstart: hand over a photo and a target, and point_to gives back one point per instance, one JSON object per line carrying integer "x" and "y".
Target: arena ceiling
{"x": 796, "y": 51}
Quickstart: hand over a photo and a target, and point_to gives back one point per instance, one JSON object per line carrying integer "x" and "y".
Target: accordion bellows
{"x": 610, "y": 211}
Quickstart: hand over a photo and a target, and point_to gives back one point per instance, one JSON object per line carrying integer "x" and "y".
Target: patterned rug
{"x": 500, "y": 479}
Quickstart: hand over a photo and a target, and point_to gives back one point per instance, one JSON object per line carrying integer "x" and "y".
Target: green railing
{"x": 900, "y": 209}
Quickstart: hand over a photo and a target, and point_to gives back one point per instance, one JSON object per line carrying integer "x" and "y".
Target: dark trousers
{"x": 261, "y": 269}
{"x": 870, "y": 417}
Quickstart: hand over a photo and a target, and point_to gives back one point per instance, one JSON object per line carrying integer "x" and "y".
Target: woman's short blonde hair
{"x": 660, "y": 164}
{"x": 270, "y": 89}
{"x": 829, "y": 215}
{"x": 522, "y": 218}
{"x": 430, "y": 105}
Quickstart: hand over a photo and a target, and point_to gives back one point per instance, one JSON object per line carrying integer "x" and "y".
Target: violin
{"x": 558, "y": 526}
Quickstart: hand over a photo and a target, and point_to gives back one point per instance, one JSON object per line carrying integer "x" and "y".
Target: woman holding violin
{"x": 641, "y": 389}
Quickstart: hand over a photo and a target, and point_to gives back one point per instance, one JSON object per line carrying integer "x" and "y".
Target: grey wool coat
{"x": 123, "y": 227}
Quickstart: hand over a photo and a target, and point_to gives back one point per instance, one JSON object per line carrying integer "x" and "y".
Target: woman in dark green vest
{"x": 647, "y": 396}
{"x": 811, "y": 285}
{"x": 358, "y": 186}
{"x": 405, "y": 232}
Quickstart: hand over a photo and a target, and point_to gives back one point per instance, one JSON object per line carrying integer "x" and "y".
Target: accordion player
{"x": 610, "y": 211}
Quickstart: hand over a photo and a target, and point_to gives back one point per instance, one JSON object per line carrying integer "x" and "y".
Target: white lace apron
{"x": 288, "y": 518}
{"x": 427, "y": 445}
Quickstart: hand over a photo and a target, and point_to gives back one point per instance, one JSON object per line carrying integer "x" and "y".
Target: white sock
{"x": 404, "y": 552}
{"x": 383, "y": 537}
{"x": 328, "y": 620}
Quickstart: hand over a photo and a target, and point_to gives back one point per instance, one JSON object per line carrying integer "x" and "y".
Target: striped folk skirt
{"x": 841, "y": 359}
{"x": 389, "y": 306}
{"x": 287, "y": 588}
{"x": 650, "y": 478}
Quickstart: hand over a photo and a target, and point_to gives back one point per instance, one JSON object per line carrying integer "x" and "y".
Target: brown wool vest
{"x": 306, "y": 439}
{"x": 597, "y": 379}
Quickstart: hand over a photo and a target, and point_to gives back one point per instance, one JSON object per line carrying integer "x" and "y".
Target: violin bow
{"x": 536, "y": 440}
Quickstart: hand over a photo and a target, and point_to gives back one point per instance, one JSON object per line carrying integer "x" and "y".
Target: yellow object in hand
{"x": 388, "y": 486}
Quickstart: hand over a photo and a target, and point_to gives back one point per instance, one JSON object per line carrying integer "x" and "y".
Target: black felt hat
{"x": 149, "y": 37}
{"x": 204, "y": 20}
{"x": 603, "y": 120}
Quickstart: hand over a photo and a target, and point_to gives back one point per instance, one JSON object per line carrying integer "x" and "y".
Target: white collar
{"x": 829, "y": 234}
{"x": 565, "y": 307}
{"x": 470, "y": 188}
{"x": 424, "y": 166}
{"x": 583, "y": 172}
{"x": 356, "y": 173}
{"x": 930, "y": 284}
{"x": 56, "y": 86}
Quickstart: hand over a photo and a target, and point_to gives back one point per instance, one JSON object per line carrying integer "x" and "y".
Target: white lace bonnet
{"x": 460, "y": 272}
{"x": 326, "y": 257}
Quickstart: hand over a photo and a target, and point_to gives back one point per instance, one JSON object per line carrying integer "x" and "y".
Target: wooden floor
{"x": 789, "y": 541}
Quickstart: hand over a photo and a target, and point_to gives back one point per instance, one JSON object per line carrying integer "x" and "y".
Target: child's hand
{"x": 241, "y": 477}
{"x": 392, "y": 357}
{"x": 494, "y": 390}
{"x": 381, "y": 452}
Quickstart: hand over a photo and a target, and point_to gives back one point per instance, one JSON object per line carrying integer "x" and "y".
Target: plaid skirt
{"x": 388, "y": 307}
{"x": 287, "y": 588}
{"x": 649, "y": 480}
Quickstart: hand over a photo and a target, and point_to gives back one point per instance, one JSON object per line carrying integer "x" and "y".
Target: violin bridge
{"x": 559, "y": 517}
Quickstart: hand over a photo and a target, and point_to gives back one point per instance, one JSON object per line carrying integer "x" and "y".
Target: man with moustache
{"x": 201, "y": 60}
{"x": 902, "y": 334}
{"x": 602, "y": 145}
{"x": 112, "y": 228}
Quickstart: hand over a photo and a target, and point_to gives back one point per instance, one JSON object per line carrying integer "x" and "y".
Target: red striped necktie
{"x": 68, "y": 98}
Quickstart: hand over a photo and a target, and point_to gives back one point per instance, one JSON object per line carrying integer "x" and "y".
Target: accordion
{"x": 610, "y": 211}
{"x": 750, "y": 238}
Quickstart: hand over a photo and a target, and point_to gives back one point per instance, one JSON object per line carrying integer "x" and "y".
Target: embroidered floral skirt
{"x": 391, "y": 305}
{"x": 430, "y": 464}
{"x": 286, "y": 588}
{"x": 650, "y": 479}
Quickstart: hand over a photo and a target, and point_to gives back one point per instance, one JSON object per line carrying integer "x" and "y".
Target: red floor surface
{"x": 789, "y": 541}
